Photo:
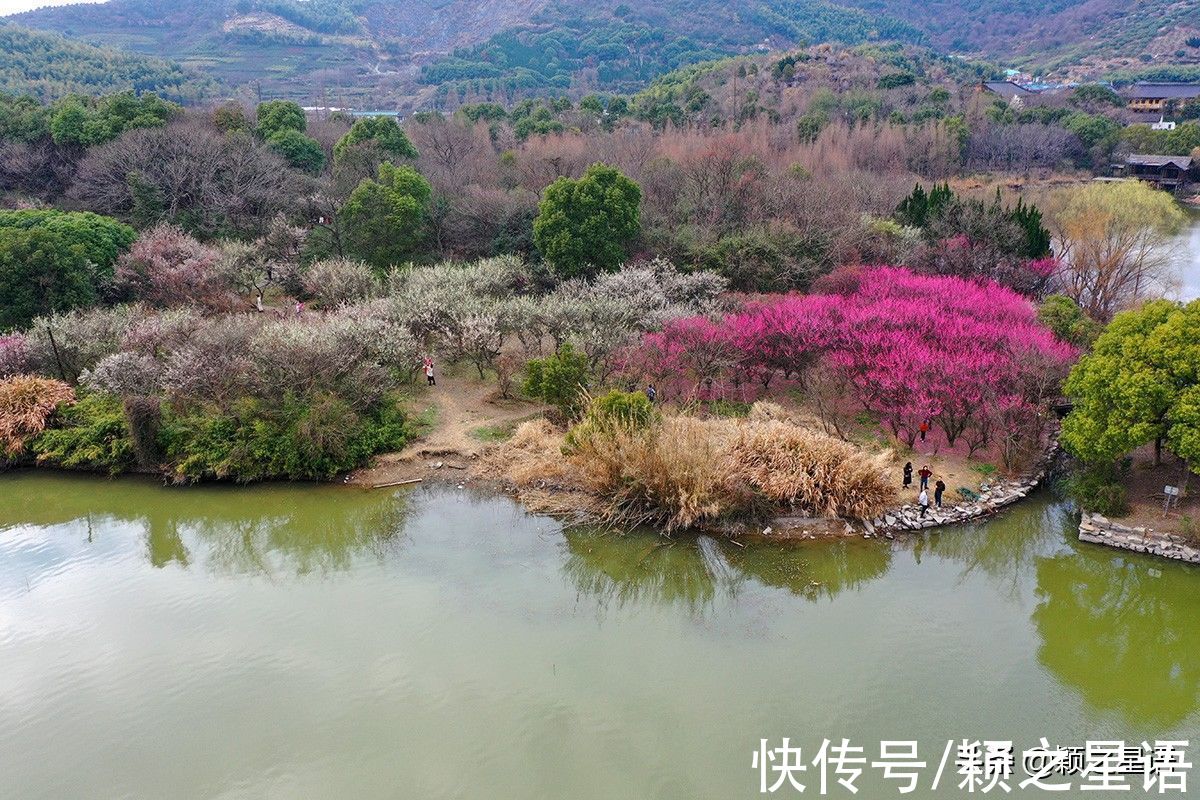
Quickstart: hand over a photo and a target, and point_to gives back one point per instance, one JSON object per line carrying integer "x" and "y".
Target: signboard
{"x": 1171, "y": 491}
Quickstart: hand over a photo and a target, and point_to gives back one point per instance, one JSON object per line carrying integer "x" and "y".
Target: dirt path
{"x": 461, "y": 405}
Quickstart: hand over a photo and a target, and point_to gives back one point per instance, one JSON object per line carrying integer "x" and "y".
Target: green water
{"x": 322, "y": 642}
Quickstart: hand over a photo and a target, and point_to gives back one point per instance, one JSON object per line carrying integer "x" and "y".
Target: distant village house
{"x": 1157, "y": 98}
{"x": 1166, "y": 172}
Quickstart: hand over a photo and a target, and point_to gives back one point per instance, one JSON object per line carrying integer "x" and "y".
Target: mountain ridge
{"x": 376, "y": 52}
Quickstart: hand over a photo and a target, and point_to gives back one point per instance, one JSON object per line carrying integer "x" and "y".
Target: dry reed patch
{"x": 682, "y": 472}
{"x": 533, "y": 464}
{"x": 26, "y": 404}
{"x": 791, "y": 465}
{"x": 675, "y": 473}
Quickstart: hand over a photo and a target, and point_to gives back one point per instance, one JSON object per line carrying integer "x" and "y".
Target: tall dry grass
{"x": 794, "y": 466}
{"x": 683, "y": 472}
{"x": 26, "y": 403}
{"x": 674, "y": 473}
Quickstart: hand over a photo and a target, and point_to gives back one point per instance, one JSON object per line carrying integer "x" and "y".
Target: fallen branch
{"x": 396, "y": 483}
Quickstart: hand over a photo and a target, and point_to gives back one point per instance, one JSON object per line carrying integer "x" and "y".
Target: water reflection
{"x": 813, "y": 570}
{"x": 1005, "y": 548}
{"x": 1124, "y": 631}
{"x": 1187, "y": 257}
{"x": 645, "y": 568}
{"x": 692, "y": 572}
{"x": 229, "y": 530}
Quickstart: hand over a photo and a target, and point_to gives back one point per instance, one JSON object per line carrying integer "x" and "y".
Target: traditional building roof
{"x": 1164, "y": 91}
{"x": 1007, "y": 89}
{"x": 1183, "y": 162}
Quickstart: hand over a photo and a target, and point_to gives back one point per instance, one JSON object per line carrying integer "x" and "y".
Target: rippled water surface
{"x": 309, "y": 642}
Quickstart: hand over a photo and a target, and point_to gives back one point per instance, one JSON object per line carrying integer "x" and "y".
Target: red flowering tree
{"x": 688, "y": 353}
{"x": 969, "y": 356}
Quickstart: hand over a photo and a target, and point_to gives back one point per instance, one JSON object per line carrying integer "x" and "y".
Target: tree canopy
{"x": 280, "y": 115}
{"x": 89, "y": 121}
{"x": 385, "y": 219}
{"x": 1114, "y": 243}
{"x": 54, "y": 261}
{"x": 300, "y": 151}
{"x": 1140, "y": 384}
{"x": 586, "y": 225}
{"x": 384, "y": 132}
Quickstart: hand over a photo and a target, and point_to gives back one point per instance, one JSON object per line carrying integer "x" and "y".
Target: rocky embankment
{"x": 992, "y": 497}
{"x": 1099, "y": 529}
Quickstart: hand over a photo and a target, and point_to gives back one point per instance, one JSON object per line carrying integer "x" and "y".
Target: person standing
{"x": 651, "y": 393}
{"x": 907, "y": 474}
{"x": 923, "y": 502}
{"x": 429, "y": 372}
{"x": 924, "y": 429}
{"x": 939, "y": 489}
{"x": 925, "y": 473}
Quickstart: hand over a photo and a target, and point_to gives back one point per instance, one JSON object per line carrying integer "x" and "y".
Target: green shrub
{"x": 607, "y": 414}
{"x": 90, "y": 435}
{"x": 298, "y": 440}
{"x": 559, "y": 380}
{"x": 1099, "y": 488}
{"x": 629, "y": 408}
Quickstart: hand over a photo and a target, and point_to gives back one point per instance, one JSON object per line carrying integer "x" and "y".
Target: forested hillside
{"x": 392, "y": 54}
{"x": 50, "y": 66}
{"x": 622, "y": 48}
{"x": 1058, "y": 34}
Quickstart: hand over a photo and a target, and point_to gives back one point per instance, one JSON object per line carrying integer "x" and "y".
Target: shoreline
{"x": 462, "y": 470}
{"x": 1098, "y": 529}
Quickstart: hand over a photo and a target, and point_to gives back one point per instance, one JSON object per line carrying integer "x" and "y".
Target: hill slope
{"x": 49, "y": 66}
{"x": 356, "y": 52}
{"x": 1087, "y": 35}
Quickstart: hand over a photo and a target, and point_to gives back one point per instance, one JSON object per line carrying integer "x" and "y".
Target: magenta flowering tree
{"x": 14, "y": 354}
{"x": 691, "y": 352}
{"x": 970, "y": 357}
{"x": 785, "y": 337}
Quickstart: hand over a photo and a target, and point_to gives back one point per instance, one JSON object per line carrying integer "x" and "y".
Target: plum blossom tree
{"x": 166, "y": 267}
{"x": 972, "y": 357}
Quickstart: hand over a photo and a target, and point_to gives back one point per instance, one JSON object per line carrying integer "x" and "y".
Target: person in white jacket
{"x": 923, "y": 502}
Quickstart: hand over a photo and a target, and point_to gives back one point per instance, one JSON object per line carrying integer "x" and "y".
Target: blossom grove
{"x": 970, "y": 357}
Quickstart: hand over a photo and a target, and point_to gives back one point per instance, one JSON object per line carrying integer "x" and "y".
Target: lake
{"x": 1188, "y": 256}
{"x": 317, "y": 641}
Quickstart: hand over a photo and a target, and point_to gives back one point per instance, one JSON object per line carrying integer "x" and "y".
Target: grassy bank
{"x": 633, "y": 466}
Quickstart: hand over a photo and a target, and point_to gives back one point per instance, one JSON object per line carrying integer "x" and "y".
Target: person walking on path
{"x": 923, "y": 502}
{"x": 907, "y": 474}
{"x": 429, "y": 372}
{"x": 651, "y": 393}
{"x": 939, "y": 489}
{"x": 925, "y": 473}
{"x": 924, "y": 429}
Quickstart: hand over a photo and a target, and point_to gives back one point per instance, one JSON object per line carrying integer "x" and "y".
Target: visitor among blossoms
{"x": 908, "y": 474}
{"x": 925, "y": 474}
{"x": 939, "y": 489}
{"x": 924, "y": 429}
{"x": 923, "y": 502}
{"x": 429, "y": 371}
{"x": 651, "y": 393}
